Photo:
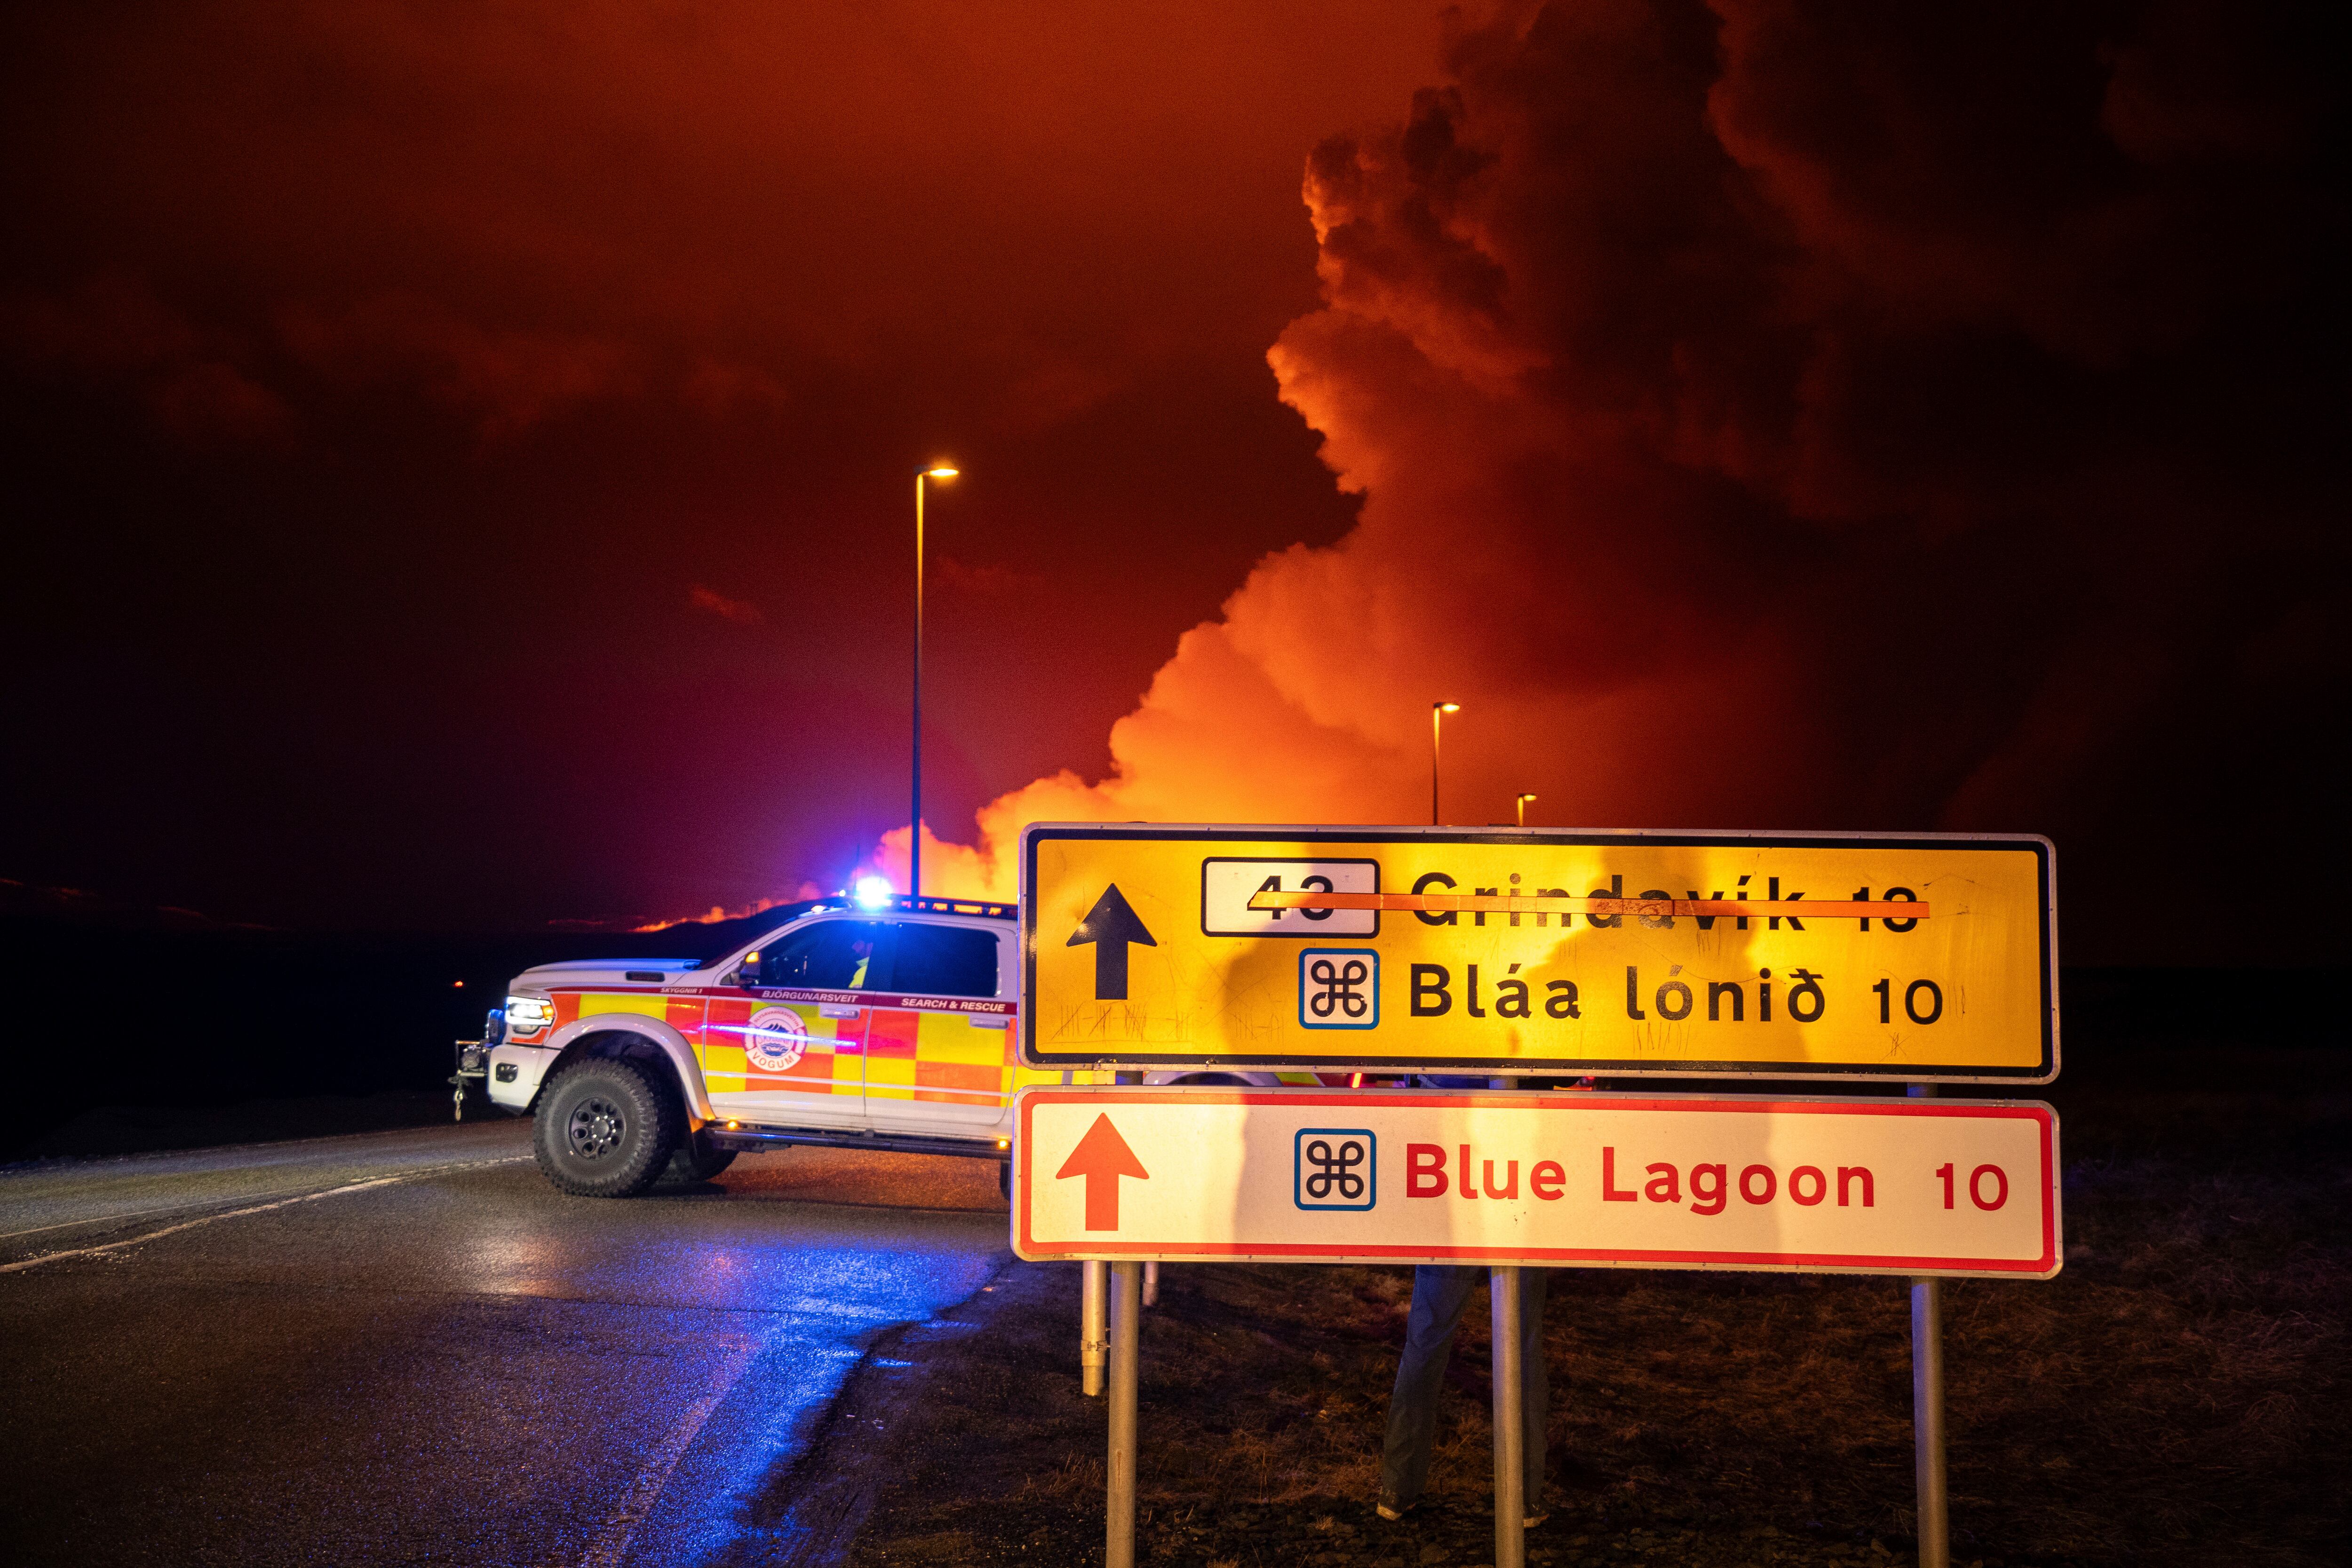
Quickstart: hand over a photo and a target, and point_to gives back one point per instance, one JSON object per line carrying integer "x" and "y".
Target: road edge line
{"x": 612, "y": 1543}
{"x": 25, "y": 1263}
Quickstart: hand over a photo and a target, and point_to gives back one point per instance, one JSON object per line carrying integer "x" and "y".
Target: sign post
{"x": 1927, "y": 1410}
{"x": 1510, "y": 1420}
{"x": 1925, "y": 1189}
{"x": 1927, "y": 1422}
{"x": 1126, "y": 1353}
{"x": 1094, "y": 1335}
{"x": 1928, "y": 959}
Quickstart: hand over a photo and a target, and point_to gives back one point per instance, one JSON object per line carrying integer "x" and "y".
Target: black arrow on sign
{"x": 1110, "y": 925}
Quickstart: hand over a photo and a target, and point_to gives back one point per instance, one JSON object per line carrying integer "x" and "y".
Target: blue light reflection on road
{"x": 442, "y": 1358}
{"x": 812, "y": 1309}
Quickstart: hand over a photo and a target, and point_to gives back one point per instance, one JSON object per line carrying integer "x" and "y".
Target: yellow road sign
{"x": 1931, "y": 958}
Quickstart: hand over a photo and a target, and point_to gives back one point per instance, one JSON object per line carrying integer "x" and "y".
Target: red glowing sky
{"x": 460, "y": 460}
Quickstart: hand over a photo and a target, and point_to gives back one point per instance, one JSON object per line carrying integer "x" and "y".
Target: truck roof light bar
{"x": 936, "y": 906}
{"x": 907, "y": 903}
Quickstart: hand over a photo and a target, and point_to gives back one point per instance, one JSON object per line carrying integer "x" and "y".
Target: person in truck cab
{"x": 838, "y": 959}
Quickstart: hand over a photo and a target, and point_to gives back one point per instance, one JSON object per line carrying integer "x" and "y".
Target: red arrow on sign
{"x": 1102, "y": 1157}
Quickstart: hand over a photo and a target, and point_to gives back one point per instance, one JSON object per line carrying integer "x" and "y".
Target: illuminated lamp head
{"x": 872, "y": 893}
{"x": 939, "y": 472}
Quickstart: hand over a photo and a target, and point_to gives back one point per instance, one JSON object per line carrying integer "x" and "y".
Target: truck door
{"x": 789, "y": 1046}
{"x": 936, "y": 1063}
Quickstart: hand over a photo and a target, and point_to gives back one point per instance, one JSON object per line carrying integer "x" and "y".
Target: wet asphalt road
{"x": 407, "y": 1347}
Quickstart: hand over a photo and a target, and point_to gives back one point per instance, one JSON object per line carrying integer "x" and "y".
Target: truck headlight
{"x": 529, "y": 1015}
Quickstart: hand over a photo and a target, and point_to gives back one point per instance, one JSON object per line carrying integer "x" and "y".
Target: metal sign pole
{"x": 1928, "y": 1418}
{"x": 1125, "y": 1324}
{"x": 1510, "y": 1423}
{"x": 1935, "y": 1527}
{"x": 1094, "y": 1341}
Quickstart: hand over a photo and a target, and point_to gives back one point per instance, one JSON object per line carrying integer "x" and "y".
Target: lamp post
{"x": 1437, "y": 712}
{"x": 1521, "y": 803}
{"x": 915, "y": 819}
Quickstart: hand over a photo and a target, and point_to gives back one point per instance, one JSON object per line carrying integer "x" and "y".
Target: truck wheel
{"x": 696, "y": 1160}
{"x": 605, "y": 1129}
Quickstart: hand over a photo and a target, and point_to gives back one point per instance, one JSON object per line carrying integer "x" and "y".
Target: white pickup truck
{"x": 879, "y": 1024}
{"x": 885, "y": 1023}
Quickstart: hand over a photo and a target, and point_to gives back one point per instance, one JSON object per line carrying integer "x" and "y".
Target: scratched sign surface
{"x": 1929, "y": 958}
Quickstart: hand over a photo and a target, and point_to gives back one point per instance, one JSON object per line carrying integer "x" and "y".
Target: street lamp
{"x": 1522, "y": 804}
{"x": 1437, "y": 712}
{"x": 941, "y": 471}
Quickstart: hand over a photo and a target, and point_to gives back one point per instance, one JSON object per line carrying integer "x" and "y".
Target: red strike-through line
{"x": 1541, "y": 903}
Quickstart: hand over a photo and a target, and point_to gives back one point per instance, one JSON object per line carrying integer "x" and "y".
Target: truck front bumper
{"x": 514, "y": 1074}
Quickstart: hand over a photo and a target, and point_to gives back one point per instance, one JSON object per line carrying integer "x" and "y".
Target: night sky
{"x": 458, "y": 460}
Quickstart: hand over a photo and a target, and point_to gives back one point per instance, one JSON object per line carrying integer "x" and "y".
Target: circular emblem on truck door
{"x": 775, "y": 1039}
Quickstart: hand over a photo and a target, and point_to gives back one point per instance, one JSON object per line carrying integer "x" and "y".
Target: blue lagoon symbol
{"x": 1339, "y": 988}
{"x": 1334, "y": 1168}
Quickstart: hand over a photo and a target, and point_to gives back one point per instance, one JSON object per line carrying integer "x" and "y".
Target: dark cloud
{"x": 725, "y": 608}
{"x": 1825, "y": 416}
{"x": 503, "y": 381}
{"x": 111, "y": 330}
{"x": 1754, "y": 415}
{"x": 378, "y": 382}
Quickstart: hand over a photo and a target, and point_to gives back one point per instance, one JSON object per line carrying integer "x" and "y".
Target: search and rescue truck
{"x": 861, "y": 1022}
{"x": 878, "y": 1024}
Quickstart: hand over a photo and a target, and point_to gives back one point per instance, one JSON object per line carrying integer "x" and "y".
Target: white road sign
{"x": 1228, "y": 885}
{"x": 1816, "y": 1185}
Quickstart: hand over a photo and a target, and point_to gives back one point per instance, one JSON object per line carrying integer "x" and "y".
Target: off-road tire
{"x": 605, "y": 1129}
{"x": 696, "y": 1160}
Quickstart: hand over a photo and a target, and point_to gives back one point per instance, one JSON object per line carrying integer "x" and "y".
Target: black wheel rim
{"x": 596, "y": 1128}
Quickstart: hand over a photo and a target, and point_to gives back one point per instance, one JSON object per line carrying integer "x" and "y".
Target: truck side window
{"x": 945, "y": 961}
{"x": 832, "y": 955}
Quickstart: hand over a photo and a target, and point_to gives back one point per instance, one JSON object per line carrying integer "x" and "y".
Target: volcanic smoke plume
{"x": 1828, "y": 416}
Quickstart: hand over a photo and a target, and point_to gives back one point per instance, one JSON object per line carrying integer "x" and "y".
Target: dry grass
{"x": 2175, "y": 1395}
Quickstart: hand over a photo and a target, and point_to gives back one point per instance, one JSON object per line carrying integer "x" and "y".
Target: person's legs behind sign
{"x": 1440, "y": 1293}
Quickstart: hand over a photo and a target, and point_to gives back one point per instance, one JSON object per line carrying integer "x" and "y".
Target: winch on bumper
{"x": 509, "y": 1074}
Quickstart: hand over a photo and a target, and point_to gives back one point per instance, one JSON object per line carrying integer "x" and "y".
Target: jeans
{"x": 1440, "y": 1293}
